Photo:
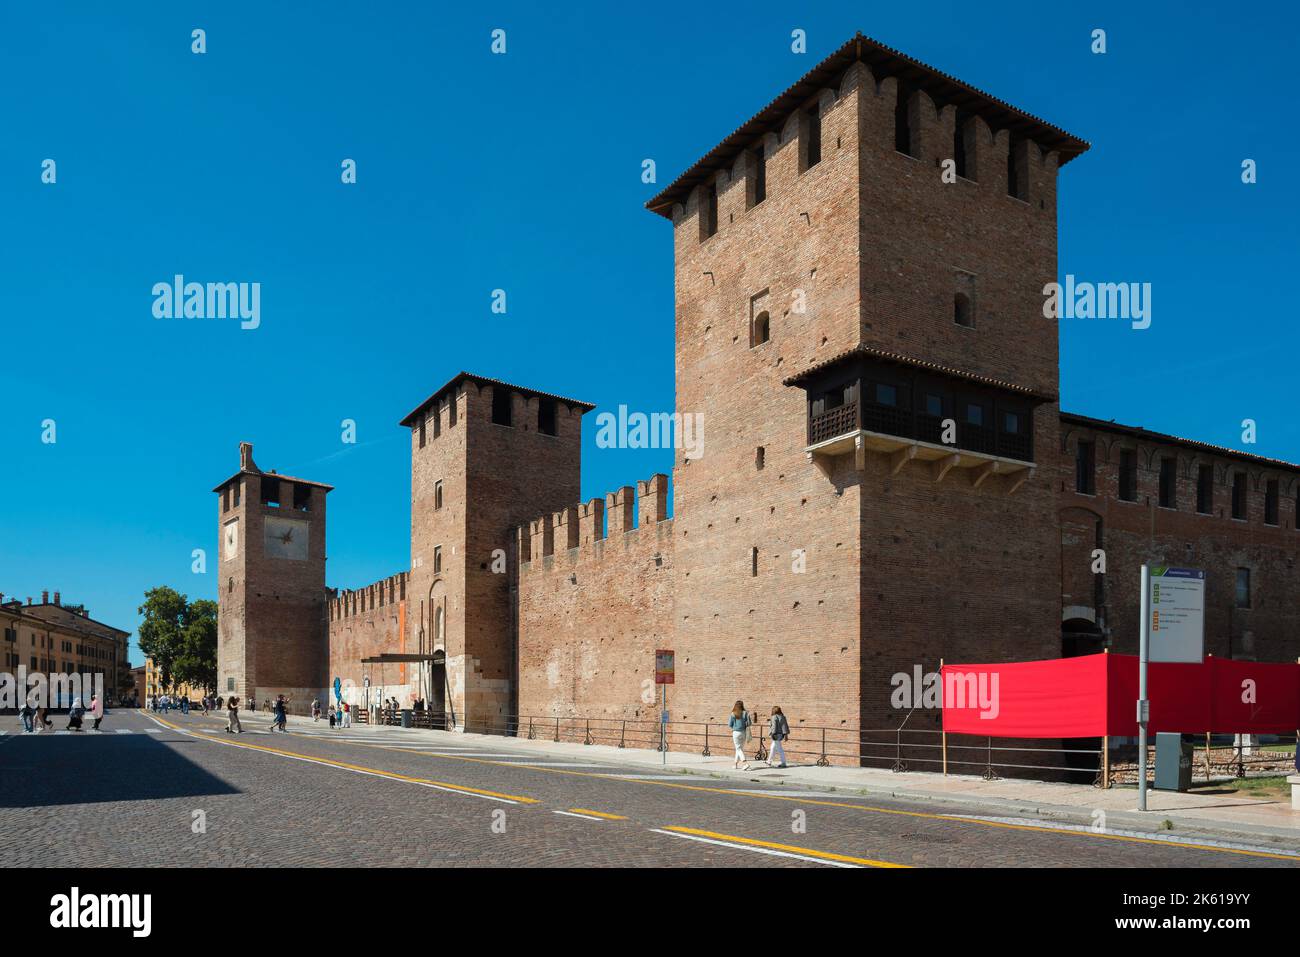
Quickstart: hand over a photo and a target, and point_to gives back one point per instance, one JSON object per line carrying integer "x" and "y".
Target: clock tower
{"x": 272, "y": 633}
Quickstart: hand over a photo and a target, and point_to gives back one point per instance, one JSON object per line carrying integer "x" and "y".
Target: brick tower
{"x": 843, "y": 295}
{"x": 485, "y": 456}
{"x": 271, "y": 621}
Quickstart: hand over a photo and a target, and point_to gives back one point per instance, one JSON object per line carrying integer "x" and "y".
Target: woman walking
{"x": 739, "y": 723}
{"x": 96, "y": 710}
{"x": 232, "y": 716}
{"x": 778, "y": 729}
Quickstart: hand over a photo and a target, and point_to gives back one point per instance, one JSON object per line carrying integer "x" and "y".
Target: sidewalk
{"x": 1222, "y": 817}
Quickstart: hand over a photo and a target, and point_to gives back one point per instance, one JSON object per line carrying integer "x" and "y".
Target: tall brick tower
{"x": 271, "y": 622}
{"x": 485, "y": 456}
{"x": 857, "y": 268}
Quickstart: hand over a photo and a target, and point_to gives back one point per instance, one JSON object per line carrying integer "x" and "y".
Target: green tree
{"x": 180, "y": 636}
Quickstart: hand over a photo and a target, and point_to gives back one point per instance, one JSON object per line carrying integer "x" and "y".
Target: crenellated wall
{"x": 596, "y": 594}
{"x": 366, "y": 622}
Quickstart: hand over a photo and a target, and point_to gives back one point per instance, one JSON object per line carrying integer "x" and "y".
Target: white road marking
{"x": 757, "y": 850}
{"x": 585, "y": 817}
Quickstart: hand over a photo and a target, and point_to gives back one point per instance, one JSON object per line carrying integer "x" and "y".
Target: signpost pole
{"x": 1143, "y": 707}
{"x": 663, "y": 726}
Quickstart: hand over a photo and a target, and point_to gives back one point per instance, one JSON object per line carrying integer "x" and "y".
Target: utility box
{"x": 406, "y": 718}
{"x": 1173, "y": 762}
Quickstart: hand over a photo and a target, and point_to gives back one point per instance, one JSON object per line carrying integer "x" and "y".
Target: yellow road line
{"x": 924, "y": 815}
{"x": 392, "y": 775}
{"x": 601, "y": 814}
{"x": 785, "y": 848}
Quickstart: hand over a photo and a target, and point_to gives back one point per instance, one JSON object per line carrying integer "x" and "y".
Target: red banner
{"x": 1096, "y": 695}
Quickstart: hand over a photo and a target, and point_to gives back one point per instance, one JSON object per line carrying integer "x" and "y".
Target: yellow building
{"x": 58, "y": 639}
{"x": 153, "y": 685}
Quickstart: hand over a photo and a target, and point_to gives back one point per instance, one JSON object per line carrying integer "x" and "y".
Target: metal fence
{"x": 900, "y": 749}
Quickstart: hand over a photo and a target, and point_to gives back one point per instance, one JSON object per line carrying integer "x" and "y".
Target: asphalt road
{"x": 183, "y": 792}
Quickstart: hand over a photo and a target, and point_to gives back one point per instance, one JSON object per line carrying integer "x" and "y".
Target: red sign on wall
{"x": 664, "y": 667}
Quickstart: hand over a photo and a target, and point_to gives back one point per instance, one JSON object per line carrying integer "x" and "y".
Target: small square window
{"x": 933, "y": 405}
{"x": 886, "y": 394}
{"x": 974, "y": 413}
{"x": 1011, "y": 423}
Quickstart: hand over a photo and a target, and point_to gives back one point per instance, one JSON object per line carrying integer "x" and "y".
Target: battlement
{"x": 864, "y": 99}
{"x": 355, "y": 602}
{"x": 622, "y": 511}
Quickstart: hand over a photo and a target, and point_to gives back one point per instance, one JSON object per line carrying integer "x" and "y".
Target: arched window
{"x": 762, "y": 330}
{"x": 438, "y": 630}
{"x": 961, "y": 312}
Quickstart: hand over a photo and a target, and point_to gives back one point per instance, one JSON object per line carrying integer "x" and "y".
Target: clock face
{"x": 285, "y": 538}
{"x": 231, "y": 540}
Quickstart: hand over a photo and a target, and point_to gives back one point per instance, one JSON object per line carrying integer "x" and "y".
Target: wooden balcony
{"x": 905, "y": 436}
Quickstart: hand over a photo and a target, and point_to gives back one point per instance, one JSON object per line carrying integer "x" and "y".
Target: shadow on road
{"x": 40, "y": 770}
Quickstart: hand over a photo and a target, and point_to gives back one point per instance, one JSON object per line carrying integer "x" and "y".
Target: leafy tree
{"x": 180, "y": 636}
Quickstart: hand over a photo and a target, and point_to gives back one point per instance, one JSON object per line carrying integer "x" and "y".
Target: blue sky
{"x": 522, "y": 172}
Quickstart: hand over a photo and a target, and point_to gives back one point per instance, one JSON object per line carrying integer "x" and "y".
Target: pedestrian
{"x": 315, "y": 709}
{"x": 27, "y": 714}
{"x": 347, "y": 715}
{"x": 739, "y": 723}
{"x": 252, "y": 703}
{"x": 74, "y": 715}
{"x": 232, "y": 716}
{"x": 279, "y": 717}
{"x": 43, "y": 722}
{"x": 778, "y": 730}
{"x": 96, "y": 710}
{"x": 185, "y": 704}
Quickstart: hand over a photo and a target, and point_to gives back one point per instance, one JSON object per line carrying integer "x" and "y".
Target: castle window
{"x": 753, "y": 562}
{"x": 1270, "y": 502}
{"x": 1015, "y": 186}
{"x": 302, "y": 497}
{"x": 709, "y": 211}
{"x": 813, "y": 127}
{"x": 225, "y": 499}
{"x": 437, "y": 495}
{"x": 974, "y": 413}
{"x": 1243, "y": 587}
{"x": 1085, "y": 468}
{"x": 759, "y": 457}
{"x": 437, "y": 419}
{"x": 235, "y": 498}
{"x": 546, "y": 417}
{"x": 886, "y": 394}
{"x": 760, "y": 331}
{"x": 1239, "y": 495}
{"x": 501, "y": 406}
{"x": 961, "y": 312}
{"x": 421, "y": 432}
{"x": 959, "y": 146}
{"x": 451, "y": 411}
{"x": 1128, "y": 475}
{"x": 270, "y": 491}
{"x": 934, "y": 405}
{"x": 758, "y": 159}
{"x": 1205, "y": 489}
{"x": 437, "y": 559}
{"x": 902, "y": 121}
{"x": 1168, "y": 482}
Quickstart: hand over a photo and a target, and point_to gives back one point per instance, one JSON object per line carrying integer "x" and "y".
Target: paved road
{"x": 184, "y": 792}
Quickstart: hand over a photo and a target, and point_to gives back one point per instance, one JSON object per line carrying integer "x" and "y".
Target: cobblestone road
{"x": 183, "y": 792}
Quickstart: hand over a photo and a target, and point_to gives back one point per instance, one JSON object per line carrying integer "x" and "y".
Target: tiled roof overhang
{"x": 412, "y": 417}
{"x": 883, "y": 61}
{"x": 1161, "y": 437}
{"x": 867, "y": 352}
